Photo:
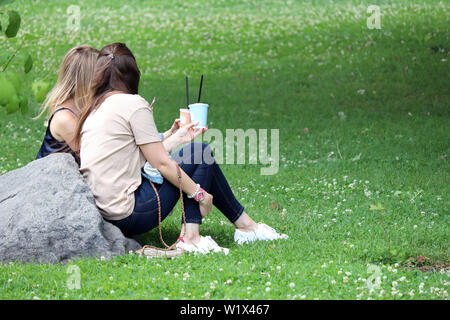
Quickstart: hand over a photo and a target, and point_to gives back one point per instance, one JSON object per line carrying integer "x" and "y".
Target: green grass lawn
{"x": 363, "y": 118}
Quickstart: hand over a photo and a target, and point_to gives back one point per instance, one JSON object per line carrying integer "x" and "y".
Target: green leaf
{"x": 28, "y": 64}
{"x": 40, "y": 90}
{"x": 13, "y": 25}
{"x": 13, "y": 105}
{"x": 14, "y": 79}
{"x": 7, "y": 90}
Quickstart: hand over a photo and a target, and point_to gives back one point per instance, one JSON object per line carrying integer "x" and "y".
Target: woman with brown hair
{"x": 117, "y": 134}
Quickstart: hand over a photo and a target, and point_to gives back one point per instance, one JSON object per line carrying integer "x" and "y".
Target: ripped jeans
{"x": 197, "y": 161}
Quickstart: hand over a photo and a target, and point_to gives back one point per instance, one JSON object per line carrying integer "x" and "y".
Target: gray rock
{"x": 48, "y": 215}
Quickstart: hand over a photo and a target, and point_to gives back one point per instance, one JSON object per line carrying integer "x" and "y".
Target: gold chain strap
{"x": 167, "y": 247}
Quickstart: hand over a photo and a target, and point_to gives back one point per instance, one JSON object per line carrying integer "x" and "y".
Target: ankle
{"x": 245, "y": 223}
{"x": 191, "y": 238}
{"x": 251, "y": 226}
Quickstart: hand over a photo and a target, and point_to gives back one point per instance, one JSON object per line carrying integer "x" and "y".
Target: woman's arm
{"x": 175, "y": 126}
{"x": 169, "y": 144}
{"x": 168, "y": 168}
{"x": 63, "y": 127}
{"x": 156, "y": 155}
{"x": 182, "y": 135}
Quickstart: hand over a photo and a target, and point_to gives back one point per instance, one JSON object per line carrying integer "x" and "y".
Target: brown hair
{"x": 115, "y": 70}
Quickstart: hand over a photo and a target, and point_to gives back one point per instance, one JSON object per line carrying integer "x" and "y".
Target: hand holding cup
{"x": 187, "y": 133}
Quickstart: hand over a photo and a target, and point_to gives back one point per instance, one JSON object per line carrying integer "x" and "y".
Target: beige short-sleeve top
{"x": 111, "y": 160}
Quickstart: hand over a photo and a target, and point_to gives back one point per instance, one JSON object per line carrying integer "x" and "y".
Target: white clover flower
{"x": 291, "y": 285}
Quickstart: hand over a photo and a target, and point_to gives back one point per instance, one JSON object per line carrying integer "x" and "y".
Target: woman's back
{"x": 111, "y": 160}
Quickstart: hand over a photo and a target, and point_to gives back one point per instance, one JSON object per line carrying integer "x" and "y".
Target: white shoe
{"x": 204, "y": 246}
{"x": 262, "y": 232}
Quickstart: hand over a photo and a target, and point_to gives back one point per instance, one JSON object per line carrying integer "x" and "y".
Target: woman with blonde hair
{"x": 66, "y": 101}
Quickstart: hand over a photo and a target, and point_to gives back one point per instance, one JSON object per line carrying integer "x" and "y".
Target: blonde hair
{"x": 75, "y": 74}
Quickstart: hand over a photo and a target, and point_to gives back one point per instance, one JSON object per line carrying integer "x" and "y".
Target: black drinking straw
{"x": 187, "y": 92}
{"x": 200, "y": 91}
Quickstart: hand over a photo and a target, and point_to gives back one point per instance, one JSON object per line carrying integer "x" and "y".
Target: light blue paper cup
{"x": 199, "y": 112}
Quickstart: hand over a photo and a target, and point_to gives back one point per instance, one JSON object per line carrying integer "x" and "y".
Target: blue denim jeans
{"x": 197, "y": 161}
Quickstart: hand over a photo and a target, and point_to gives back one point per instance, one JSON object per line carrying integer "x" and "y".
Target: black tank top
{"x": 51, "y": 145}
